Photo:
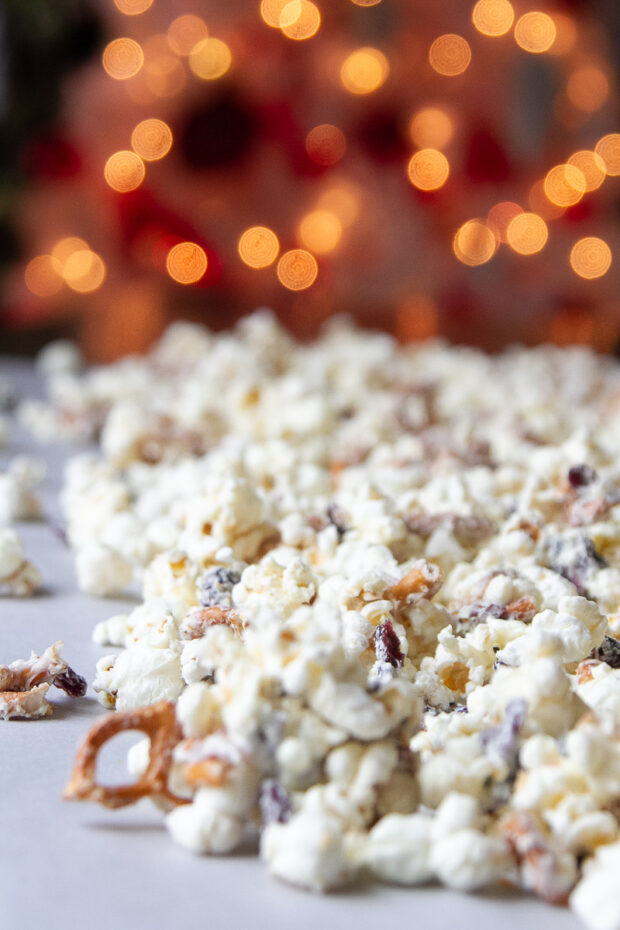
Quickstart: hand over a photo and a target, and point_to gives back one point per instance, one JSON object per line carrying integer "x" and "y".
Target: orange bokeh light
{"x": 474, "y": 243}
{"x": 500, "y": 216}
{"x": 527, "y": 233}
{"x": 271, "y": 10}
{"x": 43, "y": 276}
{"x": 564, "y": 185}
{"x": 539, "y": 203}
{"x": 591, "y": 166}
{"x": 590, "y": 257}
{"x": 258, "y": 246}
{"x": 124, "y": 171}
{"x": 186, "y": 263}
{"x": 493, "y": 17}
{"x": 185, "y": 32}
{"x": 416, "y": 319}
{"x": 297, "y": 270}
{"x": 300, "y": 19}
{"x": 608, "y": 148}
{"x": 364, "y": 70}
{"x": 151, "y": 139}
{"x": 428, "y": 169}
{"x": 431, "y": 127}
{"x": 566, "y": 34}
{"x": 122, "y": 58}
{"x": 450, "y": 55}
{"x": 587, "y": 88}
{"x": 133, "y": 7}
{"x": 65, "y": 247}
{"x": 84, "y": 271}
{"x": 344, "y": 201}
{"x": 320, "y": 231}
{"x": 326, "y": 144}
{"x": 210, "y": 59}
{"x": 535, "y": 32}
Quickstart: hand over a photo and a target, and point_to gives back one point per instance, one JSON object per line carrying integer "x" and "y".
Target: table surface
{"x": 78, "y": 865}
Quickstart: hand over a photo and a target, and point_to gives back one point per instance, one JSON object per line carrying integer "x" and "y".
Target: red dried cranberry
{"x": 387, "y": 645}
{"x": 71, "y": 683}
{"x": 581, "y": 475}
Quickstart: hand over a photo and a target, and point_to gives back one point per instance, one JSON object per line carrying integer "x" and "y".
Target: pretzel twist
{"x": 159, "y": 723}
{"x": 423, "y": 579}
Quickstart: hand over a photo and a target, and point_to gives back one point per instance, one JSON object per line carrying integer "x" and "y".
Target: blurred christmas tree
{"x": 426, "y": 167}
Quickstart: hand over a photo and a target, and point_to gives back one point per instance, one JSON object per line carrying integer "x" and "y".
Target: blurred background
{"x": 428, "y": 167}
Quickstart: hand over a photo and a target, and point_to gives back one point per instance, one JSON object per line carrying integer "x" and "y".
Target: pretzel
{"x": 522, "y": 831}
{"x": 31, "y": 703}
{"x": 159, "y": 723}
{"x": 196, "y": 623}
{"x": 423, "y": 579}
{"x": 25, "y": 683}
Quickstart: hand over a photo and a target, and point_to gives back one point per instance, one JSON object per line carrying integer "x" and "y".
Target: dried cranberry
{"x": 581, "y": 475}
{"x": 275, "y": 804}
{"x": 336, "y": 517}
{"x": 387, "y": 645}
{"x": 504, "y": 739}
{"x": 71, "y": 683}
{"x": 573, "y": 558}
{"x": 608, "y": 652}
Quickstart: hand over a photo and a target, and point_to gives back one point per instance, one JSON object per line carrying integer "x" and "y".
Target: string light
{"x": 450, "y": 55}
{"x": 591, "y": 166}
{"x": 185, "y": 32}
{"x": 300, "y": 19}
{"x": 122, "y": 58}
{"x": 124, "y": 171}
{"x": 535, "y": 32}
{"x": 564, "y": 185}
{"x": 326, "y": 144}
{"x": 527, "y": 233}
{"x": 428, "y": 169}
{"x": 133, "y": 7}
{"x": 364, "y": 70}
{"x": 43, "y": 276}
{"x": 474, "y": 243}
{"x": 297, "y": 270}
{"x": 608, "y": 148}
{"x": 493, "y": 17}
{"x": 151, "y": 139}
{"x": 431, "y": 127}
{"x": 186, "y": 263}
{"x": 590, "y": 257}
{"x": 320, "y": 231}
{"x": 258, "y": 246}
{"x": 500, "y": 216}
{"x": 210, "y": 59}
{"x": 84, "y": 271}
{"x": 587, "y": 88}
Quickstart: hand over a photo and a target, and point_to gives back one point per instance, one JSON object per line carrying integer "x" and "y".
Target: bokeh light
{"x": 527, "y": 233}
{"x": 271, "y": 10}
{"x": 416, "y": 318}
{"x": 84, "y": 271}
{"x": 500, "y": 216}
{"x": 343, "y": 200}
{"x": 258, "y": 246}
{"x": 535, "y": 32}
{"x": 210, "y": 59}
{"x": 587, "y": 88}
{"x": 320, "y": 231}
{"x": 608, "y": 148}
{"x": 297, "y": 270}
{"x": 326, "y": 144}
{"x": 300, "y": 19}
{"x": 65, "y": 247}
{"x": 566, "y": 34}
{"x": 431, "y": 127}
{"x": 122, "y": 58}
{"x": 590, "y": 257}
{"x": 364, "y": 70}
{"x": 428, "y": 169}
{"x": 591, "y": 166}
{"x": 43, "y": 276}
{"x": 164, "y": 73}
{"x": 564, "y": 185}
{"x": 365, "y": 2}
{"x": 474, "y": 243}
{"x": 186, "y": 263}
{"x": 124, "y": 171}
{"x": 450, "y": 55}
{"x": 540, "y": 203}
{"x": 185, "y": 32}
{"x": 493, "y": 17}
{"x": 133, "y": 7}
{"x": 151, "y": 139}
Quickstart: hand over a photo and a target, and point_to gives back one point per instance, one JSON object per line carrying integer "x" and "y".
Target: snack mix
{"x": 381, "y": 602}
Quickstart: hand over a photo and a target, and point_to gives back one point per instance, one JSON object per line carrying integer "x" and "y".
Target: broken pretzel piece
{"x": 25, "y": 683}
{"x": 423, "y": 580}
{"x": 195, "y": 624}
{"x": 159, "y": 723}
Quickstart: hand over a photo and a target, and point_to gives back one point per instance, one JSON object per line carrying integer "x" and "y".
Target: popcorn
{"x": 17, "y": 576}
{"x": 380, "y": 600}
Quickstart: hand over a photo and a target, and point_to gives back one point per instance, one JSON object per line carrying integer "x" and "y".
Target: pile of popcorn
{"x": 382, "y": 586}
